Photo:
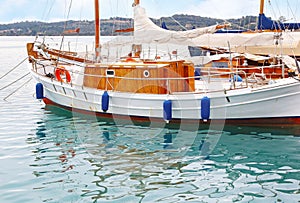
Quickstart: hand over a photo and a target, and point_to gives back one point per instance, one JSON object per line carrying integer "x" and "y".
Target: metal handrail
{"x": 167, "y": 80}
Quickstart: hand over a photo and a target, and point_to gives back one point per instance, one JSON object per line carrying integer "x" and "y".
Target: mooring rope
{"x": 13, "y": 68}
{"x": 14, "y": 81}
{"x": 17, "y": 89}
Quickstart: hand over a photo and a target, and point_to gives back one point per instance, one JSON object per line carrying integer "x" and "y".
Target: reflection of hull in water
{"x": 227, "y": 125}
{"x": 109, "y": 158}
{"x": 132, "y": 141}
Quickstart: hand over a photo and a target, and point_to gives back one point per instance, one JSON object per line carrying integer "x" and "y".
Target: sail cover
{"x": 265, "y": 23}
{"x": 145, "y": 29}
{"x": 146, "y": 32}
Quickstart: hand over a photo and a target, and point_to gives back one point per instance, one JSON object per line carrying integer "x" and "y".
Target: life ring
{"x": 60, "y": 70}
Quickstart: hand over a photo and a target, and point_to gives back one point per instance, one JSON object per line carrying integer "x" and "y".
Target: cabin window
{"x": 195, "y": 51}
{"x": 220, "y": 64}
{"x": 146, "y": 73}
{"x": 110, "y": 73}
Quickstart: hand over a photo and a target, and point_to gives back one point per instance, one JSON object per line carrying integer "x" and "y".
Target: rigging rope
{"x": 45, "y": 17}
{"x": 63, "y": 36}
{"x": 178, "y": 23}
{"x": 80, "y": 22}
{"x": 68, "y": 15}
{"x": 277, "y": 21}
{"x": 293, "y": 13}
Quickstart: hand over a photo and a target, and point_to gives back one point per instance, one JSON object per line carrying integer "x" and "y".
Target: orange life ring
{"x": 60, "y": 70}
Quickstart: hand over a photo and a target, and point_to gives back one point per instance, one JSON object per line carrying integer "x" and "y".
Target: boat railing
{"x": 231, "y": 80}
{"x": 260, "y": 68}
{"x": 236, "y": 79}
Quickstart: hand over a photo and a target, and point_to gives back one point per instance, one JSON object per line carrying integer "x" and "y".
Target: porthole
{"x": 146, "y": 73}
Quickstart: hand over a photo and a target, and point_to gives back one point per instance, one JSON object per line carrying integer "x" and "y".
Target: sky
{"x": 57, "y": 10}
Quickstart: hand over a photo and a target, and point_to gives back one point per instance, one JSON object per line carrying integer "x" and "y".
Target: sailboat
{"x": 272, "y": 60}
{"x": 157, "y": 90}
{"x": 286, "y": 37}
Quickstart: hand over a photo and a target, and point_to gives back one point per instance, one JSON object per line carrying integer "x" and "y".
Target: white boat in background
{"x": 286, "y": 38}
{"x": 159, "y": 90}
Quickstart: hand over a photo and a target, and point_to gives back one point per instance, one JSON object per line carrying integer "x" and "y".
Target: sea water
{"x": 52, "y": 155}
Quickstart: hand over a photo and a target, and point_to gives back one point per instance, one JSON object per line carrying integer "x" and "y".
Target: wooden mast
{"x": 97, "y": 30}
{"x": 261, "y": 11}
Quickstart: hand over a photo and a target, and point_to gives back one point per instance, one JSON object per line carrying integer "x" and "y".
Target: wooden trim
{"x": 67, "y": 55}
{"x": 262, "y": 2}
{"x": 177, "y": 74}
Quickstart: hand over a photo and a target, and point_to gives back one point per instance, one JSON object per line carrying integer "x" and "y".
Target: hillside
{"x": 108, "y": 26}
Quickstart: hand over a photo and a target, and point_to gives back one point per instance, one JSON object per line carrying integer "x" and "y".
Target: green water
{"x": 52, "y": 155}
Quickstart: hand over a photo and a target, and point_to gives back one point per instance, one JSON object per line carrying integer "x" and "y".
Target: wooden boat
{"x": 285, "y": 36}
{"x": 222, "y": 48}
{"x": 271, "y": 61}
{"x": 157, "y": 90}
{"x": 271, "y": 67}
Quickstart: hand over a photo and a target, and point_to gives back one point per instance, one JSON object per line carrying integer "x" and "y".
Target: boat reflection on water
{"x": 83, "y": 157}
{"x": 222, "y": 125}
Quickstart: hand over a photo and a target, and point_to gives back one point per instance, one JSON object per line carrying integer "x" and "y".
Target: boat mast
{"x": 97, "y": 30}
{"x": 262, "y": 3}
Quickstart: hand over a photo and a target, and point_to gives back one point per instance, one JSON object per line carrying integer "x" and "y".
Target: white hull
{"x": 278, "y": 100}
